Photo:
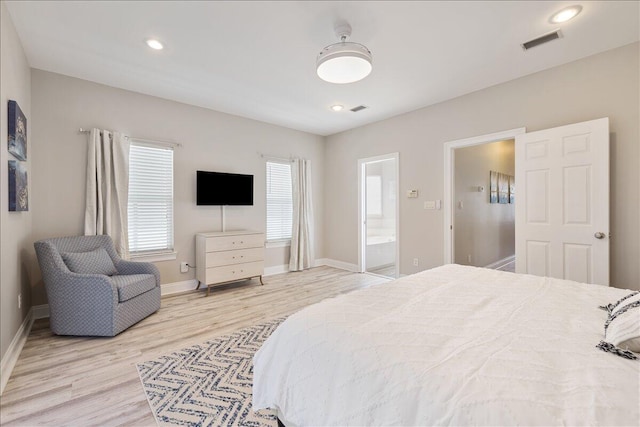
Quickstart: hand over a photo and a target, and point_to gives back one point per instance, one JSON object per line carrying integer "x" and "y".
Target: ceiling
{"x": 257, "y": 59}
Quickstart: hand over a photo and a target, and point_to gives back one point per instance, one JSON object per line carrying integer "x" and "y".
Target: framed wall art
{"x": 17, "y": 131}
{"x": 493, "y": 187}
{"x": 18, "y": 187}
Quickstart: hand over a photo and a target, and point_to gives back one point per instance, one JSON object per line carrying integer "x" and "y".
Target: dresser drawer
{"x": 217, "y": 259}
{"x": 234, "y": 272}
{"x": 225, "y": 243}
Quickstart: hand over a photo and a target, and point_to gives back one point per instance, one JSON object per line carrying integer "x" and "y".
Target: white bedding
{"x": 450, "y": 346}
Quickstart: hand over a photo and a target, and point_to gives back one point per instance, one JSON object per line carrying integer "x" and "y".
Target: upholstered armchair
{"x": 91, "y": 290}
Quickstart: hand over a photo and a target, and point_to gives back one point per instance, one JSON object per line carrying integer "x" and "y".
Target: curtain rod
{"x": 283, "y": 159}
{"x": 133, "y": 138}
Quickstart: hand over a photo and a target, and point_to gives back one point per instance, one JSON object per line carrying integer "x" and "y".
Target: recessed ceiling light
{"x": 566, "y": 14}
{"x": 155, "y": 44}
{"x": 337, "y": 107}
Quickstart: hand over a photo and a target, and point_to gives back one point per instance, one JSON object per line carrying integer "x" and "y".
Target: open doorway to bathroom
{"x": 379, "y": 207}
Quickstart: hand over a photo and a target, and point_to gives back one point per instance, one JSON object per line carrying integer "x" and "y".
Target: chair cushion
{"x": 96, "y": 261}
{"x": 131, "y": 285}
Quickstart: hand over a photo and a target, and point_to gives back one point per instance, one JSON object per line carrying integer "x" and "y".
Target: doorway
{"x": 484, "y": 214}
{"x": 378, "y": 211}
{"x": 450, "y": 204}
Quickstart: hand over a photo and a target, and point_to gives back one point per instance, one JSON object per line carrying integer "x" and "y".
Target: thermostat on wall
{"x": 412, "y": 194}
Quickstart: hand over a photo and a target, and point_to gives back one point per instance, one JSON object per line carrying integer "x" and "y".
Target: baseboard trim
{"x": 178, "y": 287}
{"x": 40, "y": 311}
{"x": 337, "y": 264}
{"x": 276, "y": 269}
{"x": 10, "y": 358}
{"x": 500, "y": 263}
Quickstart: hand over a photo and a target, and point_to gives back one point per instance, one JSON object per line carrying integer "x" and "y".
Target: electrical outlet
{"x": 415, "y": 262}
{"x": 19, "y": 300}
{"x": 469, "y": 258}
{"x": 184, "y": 268}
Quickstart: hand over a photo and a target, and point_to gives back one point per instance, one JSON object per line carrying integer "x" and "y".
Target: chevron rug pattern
{"x": 208, "y": 384}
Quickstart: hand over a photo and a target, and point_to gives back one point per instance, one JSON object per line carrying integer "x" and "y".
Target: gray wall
{"x": 483, "y": 230}
{"x": 603, "y": 85}
{"x": 15, "y": 227}
{"x": 211, "y": 141}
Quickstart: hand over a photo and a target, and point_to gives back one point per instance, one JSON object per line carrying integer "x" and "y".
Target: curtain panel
{"x": 108, "y": 188}
{"x": 302, "y": 234}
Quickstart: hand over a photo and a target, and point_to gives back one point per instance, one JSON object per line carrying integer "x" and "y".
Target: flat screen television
{"x": 218, "y": 189}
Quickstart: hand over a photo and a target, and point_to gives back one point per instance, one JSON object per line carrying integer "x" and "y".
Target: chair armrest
{"x": 132, "y": 267}
{"x": 89, "y": 289}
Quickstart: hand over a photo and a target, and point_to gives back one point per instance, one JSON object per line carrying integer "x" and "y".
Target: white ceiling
{"x": 257, "y": 59}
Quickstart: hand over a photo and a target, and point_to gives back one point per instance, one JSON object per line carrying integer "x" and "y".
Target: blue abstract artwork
{"x": 18, "y": 188}
{"x": 17, "y": 131}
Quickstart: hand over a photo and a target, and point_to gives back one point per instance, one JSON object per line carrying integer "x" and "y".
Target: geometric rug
{"x": 208, "y": 384}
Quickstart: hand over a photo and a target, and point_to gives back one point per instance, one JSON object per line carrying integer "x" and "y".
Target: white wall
{"x": 15, "y": 227}
{"x": 485, "y": 231}
{"x": 603, "y": 85}
{"x": 211, "y": 141}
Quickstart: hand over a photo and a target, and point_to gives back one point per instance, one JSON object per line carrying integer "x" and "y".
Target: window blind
{"x": 150, "y": 207}
{"x": 279, "y": 201}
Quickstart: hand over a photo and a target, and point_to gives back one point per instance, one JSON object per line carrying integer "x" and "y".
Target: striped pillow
{"x": 622, "y": 328}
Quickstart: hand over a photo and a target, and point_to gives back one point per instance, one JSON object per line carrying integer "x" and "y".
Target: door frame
{"x": 449, "y": 179}
{"x": 362, "y": 210}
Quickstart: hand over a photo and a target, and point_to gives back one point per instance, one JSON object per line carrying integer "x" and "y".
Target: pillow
{"x": 622, "y": 328}
{"x": 96, "y": 261}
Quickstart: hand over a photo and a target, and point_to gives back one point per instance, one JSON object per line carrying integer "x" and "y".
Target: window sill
{"x": 154, "y": 257}
{"x": 278, "y": 243}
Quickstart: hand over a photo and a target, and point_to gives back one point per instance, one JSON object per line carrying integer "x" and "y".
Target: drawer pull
{"x": 241, "y": 242}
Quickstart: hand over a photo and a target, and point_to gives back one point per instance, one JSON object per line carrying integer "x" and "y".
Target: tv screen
{"x": 217, "y": 188}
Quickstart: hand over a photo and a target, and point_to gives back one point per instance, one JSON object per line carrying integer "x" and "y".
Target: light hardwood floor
{"x": 93, "y": 381}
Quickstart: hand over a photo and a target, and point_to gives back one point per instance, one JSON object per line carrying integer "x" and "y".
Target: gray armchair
{"x": 87, "y": 304}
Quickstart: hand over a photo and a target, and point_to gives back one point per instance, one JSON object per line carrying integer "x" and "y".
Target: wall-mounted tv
{"x": 218, "y": 188}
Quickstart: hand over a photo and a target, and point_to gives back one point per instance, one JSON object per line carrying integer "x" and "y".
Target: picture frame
{"x": 503, "y": 188}
{"x": 18, "y": 187}
{"x": 493, "y": 187}
{"x": 16, "y": 131}
{"x": 512, "y": 189}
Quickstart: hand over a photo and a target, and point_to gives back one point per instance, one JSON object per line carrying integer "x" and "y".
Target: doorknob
{"x": 599, "y": 235}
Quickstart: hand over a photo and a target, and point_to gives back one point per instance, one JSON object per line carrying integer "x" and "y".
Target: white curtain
{"x": 302, "y": 235}
{"x": 108, "y": 188}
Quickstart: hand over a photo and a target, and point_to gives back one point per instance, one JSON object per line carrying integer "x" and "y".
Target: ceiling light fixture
{"x": 155, "y": 44}
{"x": 344, "y": 62}
{"x": 337, "y": 107}
{"x": 565, "y": 14}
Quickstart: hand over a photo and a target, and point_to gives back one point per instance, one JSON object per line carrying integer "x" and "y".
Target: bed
{"x": 455, "y": 345}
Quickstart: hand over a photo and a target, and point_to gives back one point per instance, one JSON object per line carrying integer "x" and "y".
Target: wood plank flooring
{"x": 93, "y": 381}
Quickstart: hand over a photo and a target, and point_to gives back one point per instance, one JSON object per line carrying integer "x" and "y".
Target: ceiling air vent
{"x": 541, "y": 40}
{"x": 358, "y": 108}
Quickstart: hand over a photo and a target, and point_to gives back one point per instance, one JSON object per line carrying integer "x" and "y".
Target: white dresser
{"x": 227, "y": 256}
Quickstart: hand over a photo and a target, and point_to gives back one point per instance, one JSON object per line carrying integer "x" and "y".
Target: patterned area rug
{"x": 208, "y": 384}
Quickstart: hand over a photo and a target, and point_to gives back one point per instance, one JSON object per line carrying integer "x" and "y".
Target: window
{"x": 279, "y": 201}
{"x": 150, "y": 208}
{"x": 374, "y": 195}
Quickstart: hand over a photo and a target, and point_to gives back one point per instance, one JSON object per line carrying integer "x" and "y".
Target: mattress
{"x": 454, "y": 345}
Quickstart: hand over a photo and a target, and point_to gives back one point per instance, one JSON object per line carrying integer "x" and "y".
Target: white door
{"x": 562, "y": 202}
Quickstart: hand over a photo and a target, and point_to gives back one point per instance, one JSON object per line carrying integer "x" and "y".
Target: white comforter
{"x": 450, "y": 346}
